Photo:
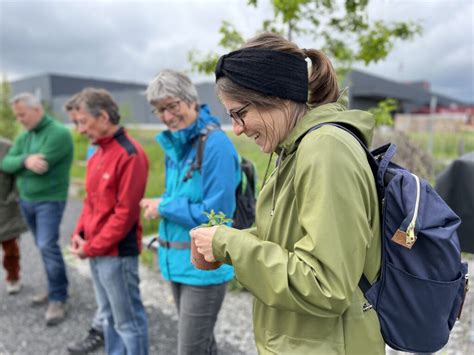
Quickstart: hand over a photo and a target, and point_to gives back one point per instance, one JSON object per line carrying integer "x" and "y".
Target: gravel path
{"x": 23, "y": 331}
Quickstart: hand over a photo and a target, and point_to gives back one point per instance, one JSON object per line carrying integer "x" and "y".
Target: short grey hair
{"x": 26, "y": 98}
{"x": 170, "y": 83}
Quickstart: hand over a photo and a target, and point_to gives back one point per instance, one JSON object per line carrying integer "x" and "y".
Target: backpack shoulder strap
{"x": 200, "y": 142}
{"x": 354, "y": 133}
{"x": 364, "y": 283}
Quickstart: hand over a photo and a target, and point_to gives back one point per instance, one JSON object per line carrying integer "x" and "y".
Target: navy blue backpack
{"x": 421, "y": 288}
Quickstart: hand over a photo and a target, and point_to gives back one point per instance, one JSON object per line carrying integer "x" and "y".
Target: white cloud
{"x": 133, "y": 40}
{"x": 443, "y": 55}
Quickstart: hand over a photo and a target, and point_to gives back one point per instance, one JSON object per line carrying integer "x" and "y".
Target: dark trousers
{"x": 198, "y": 307}
{"x": 11, "y": 259}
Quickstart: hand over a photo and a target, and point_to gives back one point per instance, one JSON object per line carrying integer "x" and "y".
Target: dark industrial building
{"x": 365, "y": 91}
{"x": 55, "y": 89}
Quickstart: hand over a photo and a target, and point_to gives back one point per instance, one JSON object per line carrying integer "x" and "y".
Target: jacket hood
{"x": 333, "y": 112}
{"x": 175, "y": 143}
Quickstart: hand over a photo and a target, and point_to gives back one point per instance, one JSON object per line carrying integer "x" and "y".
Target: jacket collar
{"x": 105, "y": 141}
{"x": 45, "y": 120}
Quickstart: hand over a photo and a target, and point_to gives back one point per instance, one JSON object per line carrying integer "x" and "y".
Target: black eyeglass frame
{"x": 235, "y": 115}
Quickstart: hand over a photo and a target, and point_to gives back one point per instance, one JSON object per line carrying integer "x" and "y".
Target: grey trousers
{"x": 198, "y": 307}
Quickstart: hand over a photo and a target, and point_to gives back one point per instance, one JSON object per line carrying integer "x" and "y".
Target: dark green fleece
{"x": 54, "y": 141}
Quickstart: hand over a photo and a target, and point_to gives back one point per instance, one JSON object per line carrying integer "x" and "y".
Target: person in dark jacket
{"x": 109, "y": 231}
{"x": 11, "y": 225}
{"x": 189, "y": 193}
{"x": 41, "y": 158}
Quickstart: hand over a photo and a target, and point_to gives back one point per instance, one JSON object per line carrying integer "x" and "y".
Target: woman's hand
{"x": 202, "y": 237}
{"x": 150, "y": 207}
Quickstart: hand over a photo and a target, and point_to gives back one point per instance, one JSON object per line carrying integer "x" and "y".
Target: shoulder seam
{"x": 126, "y": 144}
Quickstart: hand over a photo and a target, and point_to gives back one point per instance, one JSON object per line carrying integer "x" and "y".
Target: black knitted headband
{"x": 270, "y": 72}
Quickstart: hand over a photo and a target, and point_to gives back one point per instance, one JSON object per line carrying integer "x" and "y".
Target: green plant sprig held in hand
{"x": 197, "y": 259}
{"x": 216, "y": 219}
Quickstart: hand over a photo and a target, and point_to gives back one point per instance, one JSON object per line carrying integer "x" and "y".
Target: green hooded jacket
{"x": 317, "y": 230}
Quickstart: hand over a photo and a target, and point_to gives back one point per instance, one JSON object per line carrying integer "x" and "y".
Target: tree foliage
{"x": 343, "y": 25}
{"x": 383, "y": 112}
{"x": 8, "y": 124}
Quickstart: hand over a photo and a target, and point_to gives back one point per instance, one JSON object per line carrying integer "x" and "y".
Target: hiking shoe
{"x": 93, "y": 341}
{"x": 55, "y": 313}
{"x": 39, "y": 299}
{"x": 13, "y": 287}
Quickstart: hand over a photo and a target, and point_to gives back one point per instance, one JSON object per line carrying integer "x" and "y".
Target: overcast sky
{"x": 133, "y": 40}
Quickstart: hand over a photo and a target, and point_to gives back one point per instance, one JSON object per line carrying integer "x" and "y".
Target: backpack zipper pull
{"x": 410, "y": 235}
{"x": 410, "y": 232}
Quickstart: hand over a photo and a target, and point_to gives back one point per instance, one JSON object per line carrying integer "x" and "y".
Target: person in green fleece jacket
{"x": 317, "y": 225}
{"x": 41, "y": 158}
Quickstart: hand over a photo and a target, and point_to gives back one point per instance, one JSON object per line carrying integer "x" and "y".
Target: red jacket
{"x": 115, "y": 183}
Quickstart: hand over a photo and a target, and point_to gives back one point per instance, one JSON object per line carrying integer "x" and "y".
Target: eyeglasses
{"x": 172, "y": 107}
{"x": 237, "y": 115}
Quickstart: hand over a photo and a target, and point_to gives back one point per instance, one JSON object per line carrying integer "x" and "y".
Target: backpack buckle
{"x": 150, "y": 243}
{"x": 366, "y": 306}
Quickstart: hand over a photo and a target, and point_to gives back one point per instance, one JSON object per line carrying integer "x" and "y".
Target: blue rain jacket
{"x": 183, "y": 203}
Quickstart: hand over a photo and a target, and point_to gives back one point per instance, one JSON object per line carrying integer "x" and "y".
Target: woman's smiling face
{"x": 265, "y": 127}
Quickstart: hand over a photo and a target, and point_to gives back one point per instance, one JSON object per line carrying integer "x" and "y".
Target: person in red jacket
{"x": 109, "y": 231}
{"x": 94, "y": 338}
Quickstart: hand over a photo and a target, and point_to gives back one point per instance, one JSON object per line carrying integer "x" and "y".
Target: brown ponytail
{"x": 322, "y": 84}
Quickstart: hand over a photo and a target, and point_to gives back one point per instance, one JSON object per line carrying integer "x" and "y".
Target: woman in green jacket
{"x": 317, "y": 226}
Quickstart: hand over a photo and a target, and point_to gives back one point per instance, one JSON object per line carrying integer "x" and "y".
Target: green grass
{"x": 248, "y": 149}
{"x": 148, "y": 258}
{"x": 446, "y": 145}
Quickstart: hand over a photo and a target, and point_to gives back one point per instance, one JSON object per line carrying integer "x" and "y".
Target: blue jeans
{"x": 118, "y": 298}
{"x": 44, "y": 219}
{"x": 97, "y": 322}
{"x": 198, "y": 307}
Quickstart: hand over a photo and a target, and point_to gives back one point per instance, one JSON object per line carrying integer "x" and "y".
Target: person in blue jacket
{"x": 188, "y": 194}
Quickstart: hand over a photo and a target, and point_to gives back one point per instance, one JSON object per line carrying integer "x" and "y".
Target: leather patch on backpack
{"x": 400, "y": 237}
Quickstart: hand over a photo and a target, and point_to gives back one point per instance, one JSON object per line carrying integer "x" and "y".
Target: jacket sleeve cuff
{"x": 221, "y": 242}
{"x": 87, "y": 250}
{"x": 79, "y": 231}
{"x": 162, "y": 206}
{"x": 23, "y": 160}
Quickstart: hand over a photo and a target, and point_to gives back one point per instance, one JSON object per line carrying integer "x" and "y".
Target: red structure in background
{"x": 452, "y": 109}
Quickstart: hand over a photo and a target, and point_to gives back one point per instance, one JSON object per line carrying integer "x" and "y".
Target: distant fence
{"x": 438, "y": 122}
